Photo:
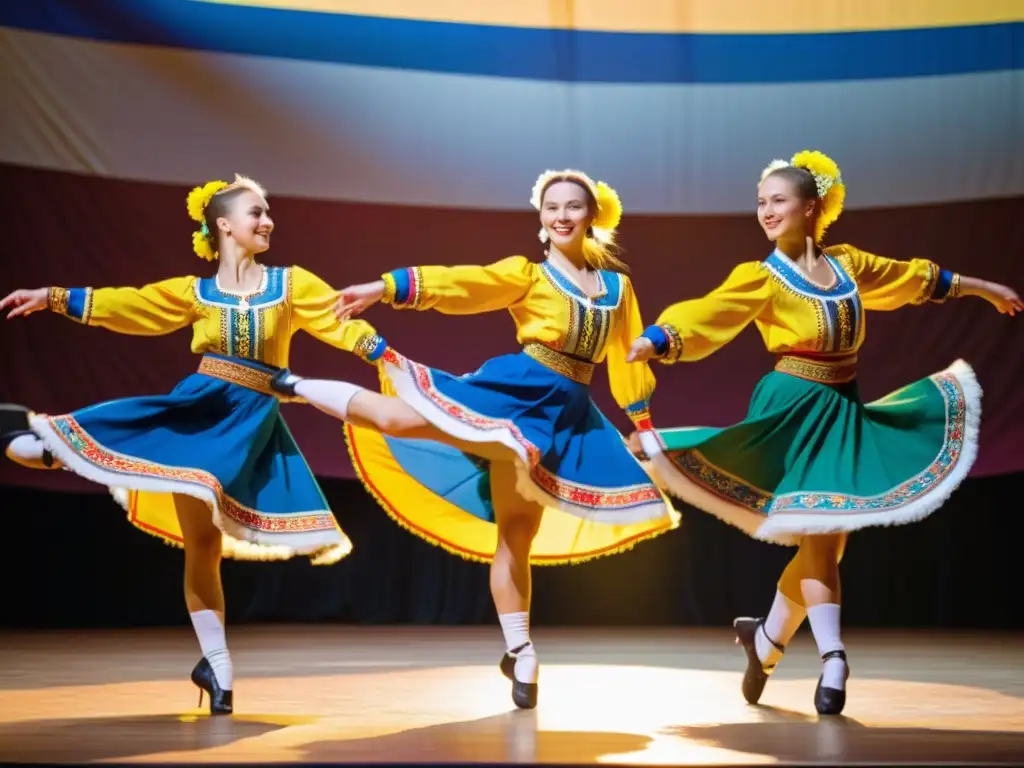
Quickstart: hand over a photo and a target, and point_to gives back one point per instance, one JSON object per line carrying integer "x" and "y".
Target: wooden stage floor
{"x": 647, "y": 697}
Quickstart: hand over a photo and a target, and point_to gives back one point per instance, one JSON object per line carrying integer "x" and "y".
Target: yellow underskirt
{"x": 562, "y": 539}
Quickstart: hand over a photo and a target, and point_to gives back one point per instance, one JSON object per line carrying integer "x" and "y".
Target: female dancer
{"x": 211, "y": 466}
{"x": 811, "y": 462}
{"x": 530, "y": 413}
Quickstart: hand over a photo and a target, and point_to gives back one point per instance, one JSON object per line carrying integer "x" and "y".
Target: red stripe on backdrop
{"x": 75, "y": 230}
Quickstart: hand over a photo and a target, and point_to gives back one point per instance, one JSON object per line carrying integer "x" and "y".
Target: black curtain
{"x": 72, "y": 560}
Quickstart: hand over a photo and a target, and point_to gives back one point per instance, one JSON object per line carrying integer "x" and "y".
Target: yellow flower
{"x": 609, "y": 208}
{"x": 829, "y": 181}
{"x": 196, "y": 204}
{"x": 201, "y": 246}
{"x": 199, "y": 198}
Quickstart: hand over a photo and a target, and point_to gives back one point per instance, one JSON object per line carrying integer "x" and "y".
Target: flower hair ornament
{"x": 204, "y": 241}
{"x": 609, "y": 207}
{"x": 828, "y": 180}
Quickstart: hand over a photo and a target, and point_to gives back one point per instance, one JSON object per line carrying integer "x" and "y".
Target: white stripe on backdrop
{"x": 340, "y": 132}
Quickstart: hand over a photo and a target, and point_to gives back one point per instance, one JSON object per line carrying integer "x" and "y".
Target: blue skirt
{"x": 567, "y": 454}
{"x": 211, "y": 438}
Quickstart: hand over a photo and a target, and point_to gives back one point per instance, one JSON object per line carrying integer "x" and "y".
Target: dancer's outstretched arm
{"x": 460, "y": 290}
{"x": 152, "y": 310}
{"x": 887, "y": 284}
{"x": 693, "y": 329}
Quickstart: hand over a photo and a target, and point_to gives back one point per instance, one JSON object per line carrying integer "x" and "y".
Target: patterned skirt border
{"x": 313, "y": 534}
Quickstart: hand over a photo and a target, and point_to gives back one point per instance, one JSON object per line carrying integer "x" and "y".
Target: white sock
{"x": 26, "y": 447}
{"x": 824, "y": 620}
{"x": 28, "y": 451}
{"x": 516, "y": 628}
{"x": 210, "y": 632}
{"x": 782, "y": 622}
{"x": 330, "y": 397}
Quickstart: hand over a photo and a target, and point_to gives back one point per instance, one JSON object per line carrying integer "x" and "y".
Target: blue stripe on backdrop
{"x": 537, "y": 54}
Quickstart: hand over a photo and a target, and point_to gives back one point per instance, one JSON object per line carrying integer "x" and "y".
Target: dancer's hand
{"x": 635, "y": 446}
{"x": 25, "y": 301}
{"x": 642, "y": 349}
{"x": 1001, "y": 297}
{"x": 356, "y": 299}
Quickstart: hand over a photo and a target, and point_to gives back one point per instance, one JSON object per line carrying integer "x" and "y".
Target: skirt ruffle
{"x": 213, "y": 440}
{"x": 813, "y": 459}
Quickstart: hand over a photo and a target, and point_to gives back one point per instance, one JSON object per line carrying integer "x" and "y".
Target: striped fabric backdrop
{"x": 398, "y": 131}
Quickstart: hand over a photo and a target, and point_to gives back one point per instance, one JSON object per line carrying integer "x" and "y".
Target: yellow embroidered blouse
{"x": 257, "y": 326}
{"x": 794, "y": 315}
{"x": 548, "y": 308}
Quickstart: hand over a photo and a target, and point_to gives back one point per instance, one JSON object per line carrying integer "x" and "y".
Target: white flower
{"x": 774, "y": 165}
{"x": 822, "y": 182}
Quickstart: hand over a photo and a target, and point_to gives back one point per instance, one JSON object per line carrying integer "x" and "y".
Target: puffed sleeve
{"x": 693, "y": 329}
{"x": 632, "y": 384}
{"x": 461, "y": 290}
{"x": 887, "y": 284}
{"x": 152, "y": 310}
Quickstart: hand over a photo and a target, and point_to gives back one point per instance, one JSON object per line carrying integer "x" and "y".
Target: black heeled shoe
{"x": 524, "y": 695}
{"x": 830, "y": 701}
{"x": 13, "y": 424}
{"x": 756, "y": 675}
{"x": 221, "y": 701}
{"x": 284, "y": 382}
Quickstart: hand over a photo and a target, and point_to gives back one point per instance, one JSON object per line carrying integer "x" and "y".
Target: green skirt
{"x": 811, "y": 458}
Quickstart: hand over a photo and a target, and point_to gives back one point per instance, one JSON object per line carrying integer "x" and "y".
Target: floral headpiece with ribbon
{"x": 609, "y": 207}
{"x": 203, "y": 241}
{"x": 827, "y": 179}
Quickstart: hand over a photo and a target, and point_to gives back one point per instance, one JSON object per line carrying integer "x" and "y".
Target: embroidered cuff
{"x": 640, "y": 414}
{"x": 954, "y": 287}
{"x": 402, "y": 288}
{"x": 389, "y": 288}
{"x": 947, "y": 286}
{"x": 58, "y": 301}
{"x": 75, "y": 303}
{"x": 657, "y": 336}
{"x": 370, "y": 347}
{"x": 668, "y": 344}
